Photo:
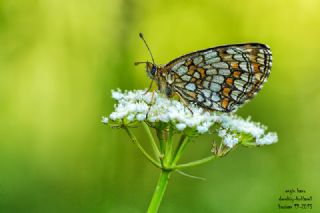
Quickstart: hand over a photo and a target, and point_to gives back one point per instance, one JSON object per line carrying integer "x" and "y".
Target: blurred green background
{"x": 59, "y": 61}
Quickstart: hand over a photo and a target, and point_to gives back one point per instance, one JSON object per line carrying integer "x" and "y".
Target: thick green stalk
{"x": 159, "y": 191}
{"x": 169, "y": 161}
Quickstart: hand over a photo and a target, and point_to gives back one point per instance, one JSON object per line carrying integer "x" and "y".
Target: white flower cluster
{"x": 236, "y": 124}
{"x": 153, "y": 107}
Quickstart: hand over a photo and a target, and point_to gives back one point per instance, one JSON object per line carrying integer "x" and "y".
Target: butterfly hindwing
{"x": 221, "y": 78}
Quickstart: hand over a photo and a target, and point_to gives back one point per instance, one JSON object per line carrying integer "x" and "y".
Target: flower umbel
{"x": 170, "y": 117}
{"x": 139, "y": 106}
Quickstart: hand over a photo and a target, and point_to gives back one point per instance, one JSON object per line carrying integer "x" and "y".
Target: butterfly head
{"x": 151, "y": 70}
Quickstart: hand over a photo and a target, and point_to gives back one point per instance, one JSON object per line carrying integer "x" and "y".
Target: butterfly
{"x": 220, "y": 78}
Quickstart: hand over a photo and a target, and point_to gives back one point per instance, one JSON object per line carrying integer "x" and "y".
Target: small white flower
{"x": 267, "y": 139}
{"x": 142, "y": 107}
{"x": 181, "y": 126}
{"x": 230, "y": 140}
{"x": 113, "y": 116}
{"x": 222, "y": 133}
{"x": 152, "y": 119}
{"x": 141, "y": 117}
{"x": 202, "y": 129}
{"x": 164, "y": 118}
{"x": 130, "y": 117}
{"x": 117, "y": 95}
{"x": 104, "y": 120}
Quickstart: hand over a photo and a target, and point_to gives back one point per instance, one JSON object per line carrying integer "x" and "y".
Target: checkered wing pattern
{"x": 221, "y": 78}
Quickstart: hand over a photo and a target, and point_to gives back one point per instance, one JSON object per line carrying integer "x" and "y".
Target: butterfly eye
{"x": 153, "y": 70}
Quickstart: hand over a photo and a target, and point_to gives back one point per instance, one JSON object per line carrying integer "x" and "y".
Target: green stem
{"x": 169, "y": 146}
{"x": 161, "y": 141}
{"x": 169, "y": 158}
{"x": 195, "y": 163}
{"x": 162, "y": 144}
{"x": 184, "y": 141}
{"x": 159, "y": 191}
{"x": 151, "y": 138}
{"x": 135, "y": 141}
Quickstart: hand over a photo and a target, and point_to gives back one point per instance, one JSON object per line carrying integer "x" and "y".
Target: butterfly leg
{"x": 185, "y": 103}
{"x": 149, "y": 87}
{"x": 151, "y": 101}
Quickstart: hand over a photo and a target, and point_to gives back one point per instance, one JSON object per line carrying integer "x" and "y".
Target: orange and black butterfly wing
{"x": 221, "y": 78}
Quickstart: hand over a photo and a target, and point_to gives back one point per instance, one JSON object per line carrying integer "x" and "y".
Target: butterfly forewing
{"x": 221, "y": 78}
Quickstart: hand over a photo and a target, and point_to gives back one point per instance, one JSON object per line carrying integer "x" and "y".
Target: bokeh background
{"x": 59, "y": 61}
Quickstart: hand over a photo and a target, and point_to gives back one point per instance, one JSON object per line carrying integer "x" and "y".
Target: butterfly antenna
{"x": 141, "y": 36}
